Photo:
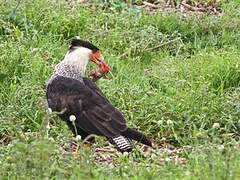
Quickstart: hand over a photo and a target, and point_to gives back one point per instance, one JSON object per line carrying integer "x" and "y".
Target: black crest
{"x": 81, "y": 43}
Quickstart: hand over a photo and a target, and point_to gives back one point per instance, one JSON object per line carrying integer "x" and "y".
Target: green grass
{"x": 175, "y": 93}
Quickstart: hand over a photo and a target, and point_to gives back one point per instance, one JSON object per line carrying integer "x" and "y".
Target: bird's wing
{"x": 95, "y": 114}
{"x": 92, "y": 85}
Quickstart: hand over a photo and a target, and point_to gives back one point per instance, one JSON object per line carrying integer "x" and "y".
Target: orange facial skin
{"x": 104, "y": 68}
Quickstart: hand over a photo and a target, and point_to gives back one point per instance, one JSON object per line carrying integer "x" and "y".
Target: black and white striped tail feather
{"x": 123, "y": 144}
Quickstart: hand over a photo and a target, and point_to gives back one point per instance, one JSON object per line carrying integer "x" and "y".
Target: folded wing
{"x": 94, "y": 113}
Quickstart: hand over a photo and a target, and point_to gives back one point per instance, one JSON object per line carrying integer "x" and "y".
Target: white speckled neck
{"x": 74, "y": 63}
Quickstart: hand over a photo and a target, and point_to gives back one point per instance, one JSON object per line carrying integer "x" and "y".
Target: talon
{"x": 75, "y": 150}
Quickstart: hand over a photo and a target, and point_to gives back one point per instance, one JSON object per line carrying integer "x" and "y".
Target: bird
{"x": 82, "y": 105}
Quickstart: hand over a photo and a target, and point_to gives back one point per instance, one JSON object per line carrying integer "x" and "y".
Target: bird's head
{"x": 86, "y": 50}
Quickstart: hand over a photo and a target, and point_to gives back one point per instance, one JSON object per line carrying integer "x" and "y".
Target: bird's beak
{"x": 98, "y": 59}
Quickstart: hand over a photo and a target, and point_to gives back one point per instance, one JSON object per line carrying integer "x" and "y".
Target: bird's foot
{"x": 75, "y": 149}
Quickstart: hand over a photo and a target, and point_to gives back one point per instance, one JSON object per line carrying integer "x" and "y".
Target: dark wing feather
{"x": 95, "y": 114}
{"x": 94, "y": 88}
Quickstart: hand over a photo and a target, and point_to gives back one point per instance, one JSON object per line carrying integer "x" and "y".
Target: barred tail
{"x": 122, "y": 143}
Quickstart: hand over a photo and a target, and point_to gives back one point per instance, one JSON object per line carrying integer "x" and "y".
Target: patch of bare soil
{"x": 108, "y": 155}
{"x": 200, "y": 7}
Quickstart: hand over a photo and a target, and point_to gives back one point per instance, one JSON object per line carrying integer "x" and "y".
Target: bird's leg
{"x": 88, "y": 141}
{"x": 79, "y": 134}
{"x": 75, "y": 150}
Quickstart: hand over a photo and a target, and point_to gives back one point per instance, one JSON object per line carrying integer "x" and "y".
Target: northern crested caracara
{"x": 78, "y": 99}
